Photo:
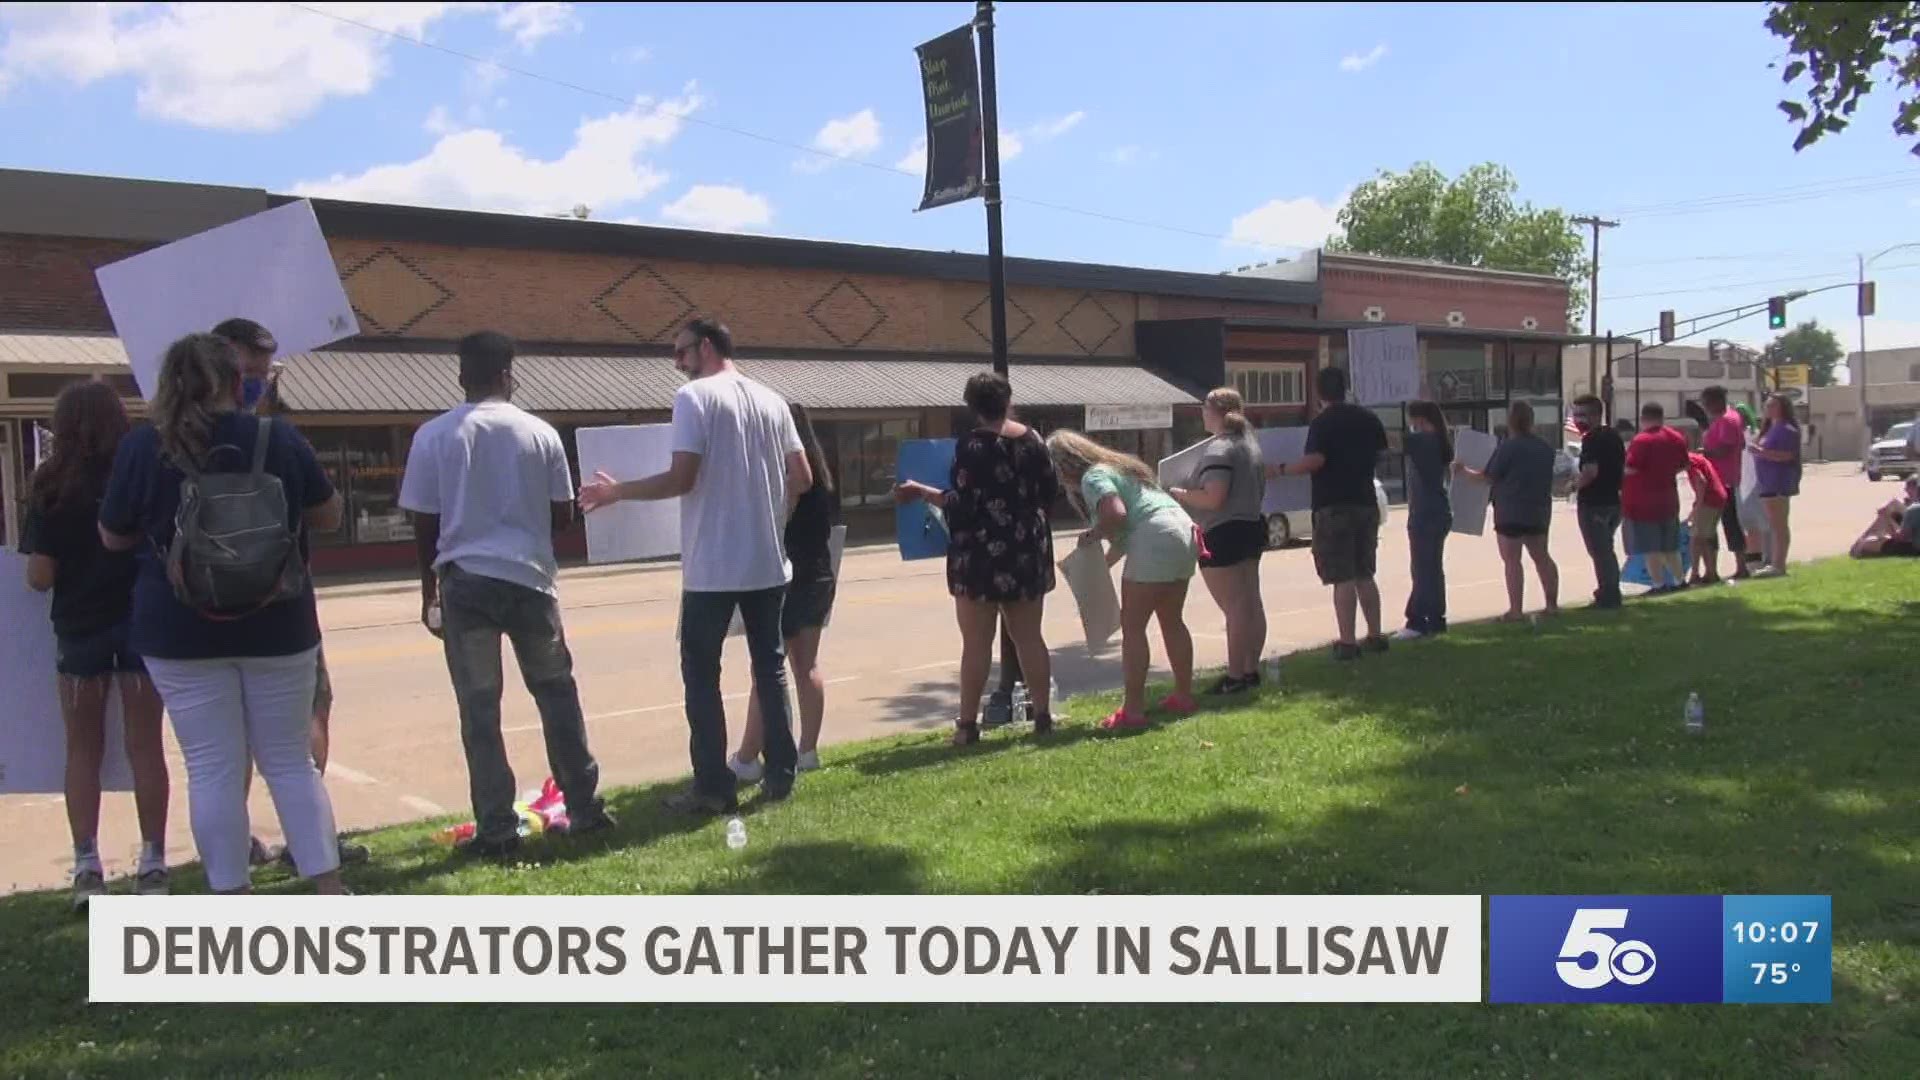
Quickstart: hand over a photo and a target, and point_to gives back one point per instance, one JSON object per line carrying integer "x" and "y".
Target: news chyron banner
{"x": 1661, "y": 949}
{"x": 767, "y": 949}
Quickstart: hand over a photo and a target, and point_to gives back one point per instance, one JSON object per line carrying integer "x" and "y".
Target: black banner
{"x": 950, "y": 77}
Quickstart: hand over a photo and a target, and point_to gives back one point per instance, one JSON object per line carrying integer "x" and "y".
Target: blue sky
{"x": 1235, "y": 129}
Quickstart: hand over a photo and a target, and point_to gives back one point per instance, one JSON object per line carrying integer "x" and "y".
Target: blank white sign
{"x": 272, "y": 267}
{"x": 33, "y": 741}
{"x": 1278, "y": 446}
{"x": 628, "y": 531}
{"x": 1469, "y": 495}
{"x": 1091, "y": 582}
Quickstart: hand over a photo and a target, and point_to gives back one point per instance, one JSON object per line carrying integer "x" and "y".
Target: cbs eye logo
{"x": 1590, "y": 959}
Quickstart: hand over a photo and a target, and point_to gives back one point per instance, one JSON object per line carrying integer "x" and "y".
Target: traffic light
{"x": 1777, "y": 313}
{"x": 1866, "y": 299}
{"x": 1666, "y": 327}
{"x": 1713, "y": 350}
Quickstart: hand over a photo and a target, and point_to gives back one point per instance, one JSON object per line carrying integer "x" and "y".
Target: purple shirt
{"x": 1778, "y": 478}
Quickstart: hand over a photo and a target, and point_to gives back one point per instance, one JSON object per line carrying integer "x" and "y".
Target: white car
{"x": 1893, "y": 454}
{"x": 1293, "y": 526}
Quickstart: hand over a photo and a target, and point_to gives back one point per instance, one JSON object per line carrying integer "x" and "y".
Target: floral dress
{"x": 998, "y": 507}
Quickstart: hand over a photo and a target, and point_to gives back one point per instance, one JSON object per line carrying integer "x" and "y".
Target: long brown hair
{"x": 199, "y": 380}
{"x": 1430, "y": 412}
{"x": 1786, "y": 413}
{"x": 88, "y": 424}
{"x": 1232, "y": 408}
{"x": 810, "y": 445}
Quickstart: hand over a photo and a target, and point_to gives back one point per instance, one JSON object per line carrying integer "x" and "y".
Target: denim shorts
{"x": 1653, "y": 537}
{"x": 103, "y": 652}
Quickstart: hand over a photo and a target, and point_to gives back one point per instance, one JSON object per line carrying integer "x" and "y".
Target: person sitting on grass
{"x": 1895, "y": 529}
{"x": 1650, "y": 501}
{"x": 1146, "y": 527}
{"x": 1709, "y": 502}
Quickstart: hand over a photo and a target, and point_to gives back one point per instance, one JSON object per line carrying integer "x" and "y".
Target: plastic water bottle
{"x": 1053, "y": 698}
{"x": 1270, "y": 669}
{"x": 736, "y": 834}
{"x": 1696, "y": 715}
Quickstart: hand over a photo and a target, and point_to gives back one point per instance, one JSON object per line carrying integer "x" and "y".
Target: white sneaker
{"x": 152, "y": 881}
{"x": 747, "y": 772}
{"x": 1408, "y": 634}
{"x": 88, "y": 882}
{"x": 809, "y": 761}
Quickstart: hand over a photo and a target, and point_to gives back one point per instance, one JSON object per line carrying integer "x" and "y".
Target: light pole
{"x": 1866, "y": 422}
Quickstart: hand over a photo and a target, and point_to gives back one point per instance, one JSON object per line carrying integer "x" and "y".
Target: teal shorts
{"x": 1161, "y": 549}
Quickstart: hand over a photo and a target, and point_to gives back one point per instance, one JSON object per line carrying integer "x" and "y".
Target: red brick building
{"x": 876, "y": 341}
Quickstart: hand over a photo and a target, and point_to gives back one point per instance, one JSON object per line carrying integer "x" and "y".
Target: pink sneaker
{"x": 1121, "y": 720}
{"x": 1179, "y": 704}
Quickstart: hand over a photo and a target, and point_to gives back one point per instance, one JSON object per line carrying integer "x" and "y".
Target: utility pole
{"x": 1593, "y": 299}
{"x": 1000, "y": 705}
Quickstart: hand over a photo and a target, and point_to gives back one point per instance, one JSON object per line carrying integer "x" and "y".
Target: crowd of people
{"x": 220, "y": 628}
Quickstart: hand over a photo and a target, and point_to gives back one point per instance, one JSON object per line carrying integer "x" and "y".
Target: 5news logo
{"x": 1660, "y": 949}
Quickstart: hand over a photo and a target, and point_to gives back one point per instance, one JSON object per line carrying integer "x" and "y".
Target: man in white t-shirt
{"x": 488, "y": 486}
{"x": 737, "y": 470}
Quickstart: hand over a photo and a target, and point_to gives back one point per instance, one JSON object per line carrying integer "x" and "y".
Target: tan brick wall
{"x": 436, "y": 291}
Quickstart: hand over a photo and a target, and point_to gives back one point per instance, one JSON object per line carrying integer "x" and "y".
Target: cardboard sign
{"x": 628, "y": 531}
{"x": 272, "y": 267}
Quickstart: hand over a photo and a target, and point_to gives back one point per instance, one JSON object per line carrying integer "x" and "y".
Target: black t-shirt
{"x": 1602, "y": 447}
{"x": 1352, "y": 438}
{"x": 92, "y": 587}
{"x": 809, "y": 532}
{"x": 142, "y": 498}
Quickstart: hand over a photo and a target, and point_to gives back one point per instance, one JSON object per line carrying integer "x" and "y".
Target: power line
{"x": 1757, "y": 200}
{"x": 1845, "y": 279}
{"x": 1841, "y": 181}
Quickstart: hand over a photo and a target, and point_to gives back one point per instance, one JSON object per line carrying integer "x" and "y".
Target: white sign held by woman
{"x": 1091, "y": 582}
{"x": 33, "y": 743}
{"x": 1385, "y": 364}
{"x": 1470, "y": 495}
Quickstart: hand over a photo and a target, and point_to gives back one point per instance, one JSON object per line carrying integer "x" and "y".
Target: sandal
{"x": 1121, "y": 720}
{"x": 1179, "y": 704}
{"x": 966, "y": 732}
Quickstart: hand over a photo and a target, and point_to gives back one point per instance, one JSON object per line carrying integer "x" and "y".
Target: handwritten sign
{"x": 1385, "y": 365}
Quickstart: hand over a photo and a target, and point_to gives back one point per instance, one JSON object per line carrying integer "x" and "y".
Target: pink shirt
{"x": 1723, "y": 444}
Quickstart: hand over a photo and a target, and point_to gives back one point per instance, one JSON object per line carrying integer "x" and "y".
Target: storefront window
{"x": 865, "y": 455}
{"x": 1458, "y": 372}
{"x": 364, "y": 465}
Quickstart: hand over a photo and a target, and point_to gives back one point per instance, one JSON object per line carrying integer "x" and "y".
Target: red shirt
{"x": 1708, "y": 491}
{"x": 1724, "y": 443}
{"x": 1654, "y": 459}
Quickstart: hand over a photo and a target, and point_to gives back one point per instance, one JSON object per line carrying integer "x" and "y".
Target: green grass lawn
{"x": 1492, "y": 760}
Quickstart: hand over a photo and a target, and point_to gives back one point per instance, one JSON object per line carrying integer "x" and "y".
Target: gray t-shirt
{"x": 1522, "y": 473}
{"x": 1239, "y": 458}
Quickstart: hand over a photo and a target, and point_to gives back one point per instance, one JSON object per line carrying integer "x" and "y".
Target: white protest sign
{"x": 628, "y": 531}
{"x": 743, "y": 950}
{"x": 1091, "y": 582}
{"x": 33, "y": 740}
{"x": 1385, "y": 365}
{"x": 1278, "y": 446}
{"x": 272, "y": 267}
{"x": 1177, "y": 470}
{"x": 1468, "y": 494}
{"x": 1753, "y": 517}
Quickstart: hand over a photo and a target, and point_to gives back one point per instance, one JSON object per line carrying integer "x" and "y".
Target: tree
{"x": 1810, "y": 344}
{"x": 1470, "y": 220}
{"x": 1837, "y": 49}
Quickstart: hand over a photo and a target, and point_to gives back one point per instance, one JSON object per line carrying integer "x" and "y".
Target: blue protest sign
{"x": 921, "y": 529}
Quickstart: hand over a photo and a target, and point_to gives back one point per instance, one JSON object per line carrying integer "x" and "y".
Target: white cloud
{"x": 234, "y": 67}
{"x": 1287, "y": 223}
{"x": 915, "y": 159}
{"x": 1053, "y": 129}
{"x": 479, "y": 169}
{"x": 634, "y": 54}
{"x": 530, "y": 24}
{"x": 719, "y": 207}
{"x": 1355, "y": 62}
{"x": 438, "y": 122}
{"x": 1128, "y": 155}
{"x": 853, "y": 136}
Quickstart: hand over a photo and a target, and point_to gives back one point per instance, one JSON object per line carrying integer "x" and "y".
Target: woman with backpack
{"x": 92, "y": 598}
{"x": 217, "y": 502}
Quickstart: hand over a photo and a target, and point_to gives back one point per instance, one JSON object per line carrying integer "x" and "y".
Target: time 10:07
{"x": 1759, "y": 933}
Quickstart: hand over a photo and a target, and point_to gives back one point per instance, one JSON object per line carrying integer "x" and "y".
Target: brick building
{"x": 875, "y": 341}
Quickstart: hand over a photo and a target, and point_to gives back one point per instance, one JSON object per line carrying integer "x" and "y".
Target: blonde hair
{"x": 199, "y": 380}
{"x": 1232, "y": 409}
{"x": 1074, "y": 453}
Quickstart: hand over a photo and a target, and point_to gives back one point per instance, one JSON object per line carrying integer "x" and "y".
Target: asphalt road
{"x": 890, "y": 657}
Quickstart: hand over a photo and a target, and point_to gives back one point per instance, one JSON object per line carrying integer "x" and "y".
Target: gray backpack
{"x": 233, "y": 552}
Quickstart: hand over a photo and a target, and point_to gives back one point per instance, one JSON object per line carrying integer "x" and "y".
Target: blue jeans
{"x": 476, "y": 612}
{"x": 704, "y": 618}
{"x": 1427, "y": 604}
{"x": 1598, "y": 524}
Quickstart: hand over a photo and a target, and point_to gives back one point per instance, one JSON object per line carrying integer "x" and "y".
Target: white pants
{"x": 225, "y": 711}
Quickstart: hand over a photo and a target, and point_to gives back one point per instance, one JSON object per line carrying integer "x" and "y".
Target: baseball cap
{"x": 249, "y": 334}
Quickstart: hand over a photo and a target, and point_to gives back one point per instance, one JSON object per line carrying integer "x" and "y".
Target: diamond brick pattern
{"x": 645, "y": 304}
{"x": 1088, "y": 324}
{"x": 393, "y": 294}
{"x": 847, "y": 314}
{"x": 979, "y": 319}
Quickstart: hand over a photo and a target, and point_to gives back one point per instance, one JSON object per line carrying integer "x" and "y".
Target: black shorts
{"x": 1231, "y": 543}
{"x": 1346, "y": 543}
{"x": 1518, "y": 531}
{"x": 89, "y": 656}
{"x": 807, "y": 606}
